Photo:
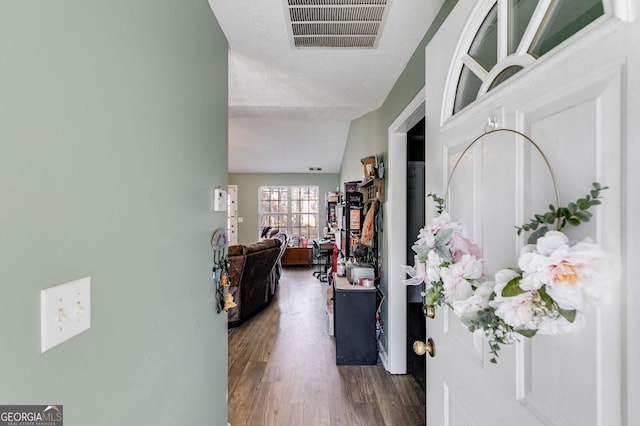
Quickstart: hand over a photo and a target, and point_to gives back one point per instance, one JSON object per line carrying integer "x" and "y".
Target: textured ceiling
{"x": 290, "y": 108}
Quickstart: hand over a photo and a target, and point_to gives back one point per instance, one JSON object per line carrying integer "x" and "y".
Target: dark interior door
{"x": 415, "y": 220}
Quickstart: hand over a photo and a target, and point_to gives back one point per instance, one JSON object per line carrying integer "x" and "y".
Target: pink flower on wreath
{"x": 427, "y": 235}
{"x": 459, "y": 246}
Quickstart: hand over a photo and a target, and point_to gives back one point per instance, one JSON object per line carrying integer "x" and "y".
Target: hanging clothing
{"x": 368, "y": 226}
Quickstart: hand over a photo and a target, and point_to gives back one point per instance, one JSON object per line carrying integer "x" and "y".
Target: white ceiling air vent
{"x": 336, "y": 23}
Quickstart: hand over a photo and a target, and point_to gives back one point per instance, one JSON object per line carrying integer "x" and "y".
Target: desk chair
{"x": 321, "y": 262}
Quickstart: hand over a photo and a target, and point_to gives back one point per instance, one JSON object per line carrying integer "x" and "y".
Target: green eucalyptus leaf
{"x": 583, "y": 204}
{"x": 443, "y": 236}
{"x": 433, "y": 296}
{"x": 512, "y": 288}
{"x": 584, "y": 216}
{"x": 533, "y": 238}
{"x": 596, "y": 185}
{"x": 573, "y": 221}
{"x": 444, "y": 253}
{"x": 572, "y": 208}
{"x": 548, "y": 301}
{"x": 527, "y": 333}
{"x": 569, "y": 315}
{"x": 421, "y": 251}
{"x": 469, "y": 321}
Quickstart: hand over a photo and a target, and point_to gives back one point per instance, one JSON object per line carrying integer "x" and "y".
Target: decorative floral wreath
{"x": 547, "y": 293}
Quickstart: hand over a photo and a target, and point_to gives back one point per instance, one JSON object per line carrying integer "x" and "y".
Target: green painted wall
{"x": 368, "y": 135}
{"x": 248, "y": 184}
{"x": 113, "y": 130}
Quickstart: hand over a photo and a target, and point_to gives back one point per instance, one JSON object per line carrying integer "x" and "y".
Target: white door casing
{"x": 576, "y": 104}
{"x": 393, "y": 342}
{"x": 232, "y": 214}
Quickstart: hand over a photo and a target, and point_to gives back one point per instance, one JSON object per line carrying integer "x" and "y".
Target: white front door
{"x": 577, "y": 104}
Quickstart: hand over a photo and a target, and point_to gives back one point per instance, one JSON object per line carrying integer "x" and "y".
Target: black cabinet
{"x": 354, "y": 309}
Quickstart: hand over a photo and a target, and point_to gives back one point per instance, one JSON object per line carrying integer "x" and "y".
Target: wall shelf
{"x": 372, "y": 188}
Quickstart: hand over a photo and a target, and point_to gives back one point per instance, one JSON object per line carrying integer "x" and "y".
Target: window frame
{"x": 612, "y": 9}
{"x": 290, "y": 212}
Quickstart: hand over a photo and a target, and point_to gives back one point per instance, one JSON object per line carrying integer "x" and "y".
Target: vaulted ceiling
{"x": 292, "y": 92}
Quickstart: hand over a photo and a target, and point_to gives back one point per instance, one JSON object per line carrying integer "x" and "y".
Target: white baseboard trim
{"x": 383, "y": 356}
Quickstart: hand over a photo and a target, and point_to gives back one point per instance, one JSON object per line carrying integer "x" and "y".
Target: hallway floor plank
{"x": 282, "y": 369}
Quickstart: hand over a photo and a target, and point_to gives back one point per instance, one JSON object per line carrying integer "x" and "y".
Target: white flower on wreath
{"x": 457, "y": 278}
{"x": 433, "y": 267}
{"x": 527, "y": 311}
{"x": 442, "y": 242}
{"x": 477, "y": 302}
{"x": 573, "y": 275}
{"x": 517, "y": 311}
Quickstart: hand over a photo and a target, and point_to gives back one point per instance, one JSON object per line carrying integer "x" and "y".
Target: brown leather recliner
{"x": 250, "y": 278}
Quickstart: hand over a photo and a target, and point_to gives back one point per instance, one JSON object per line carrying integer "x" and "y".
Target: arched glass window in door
{"x": 513, "y": 35}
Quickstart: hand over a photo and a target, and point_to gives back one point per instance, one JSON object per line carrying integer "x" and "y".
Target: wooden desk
{"x": 297, "y": 256}
{"x": 326, "y": 246}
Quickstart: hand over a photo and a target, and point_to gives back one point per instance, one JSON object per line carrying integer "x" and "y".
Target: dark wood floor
{"x": 282, "y": 369}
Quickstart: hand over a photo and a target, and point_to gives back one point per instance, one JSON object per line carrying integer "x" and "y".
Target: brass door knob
{"x": 422, "y": 348}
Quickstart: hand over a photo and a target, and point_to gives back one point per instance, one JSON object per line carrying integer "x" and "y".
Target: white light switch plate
{"x": 65, "y": 311}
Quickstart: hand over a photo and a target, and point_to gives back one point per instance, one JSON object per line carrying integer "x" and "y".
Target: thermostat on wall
{"x": 219, "y": 200}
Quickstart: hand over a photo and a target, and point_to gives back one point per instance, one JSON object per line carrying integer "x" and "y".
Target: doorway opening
{"x": 415, "y": 221}
{"x": 393, "y": 340}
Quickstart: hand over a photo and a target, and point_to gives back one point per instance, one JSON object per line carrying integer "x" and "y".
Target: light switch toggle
{"x": 62, "y": 317}
{"x": 79, "y": 308}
